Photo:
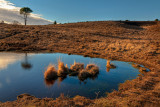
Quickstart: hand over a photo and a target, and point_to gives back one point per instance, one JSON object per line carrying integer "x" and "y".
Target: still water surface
{"x": 23, "y": 73}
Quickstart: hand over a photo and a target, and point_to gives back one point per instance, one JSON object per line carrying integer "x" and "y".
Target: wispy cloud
{"x": 7, "y": 59}
{"x": 9, "y": 13}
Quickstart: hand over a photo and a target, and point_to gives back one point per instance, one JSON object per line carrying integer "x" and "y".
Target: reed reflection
{"x": 49, "y": 83}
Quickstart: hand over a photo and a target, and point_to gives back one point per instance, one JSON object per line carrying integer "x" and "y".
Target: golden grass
{"x": 83, "y": 74}
{"x": 50, "y": 73}
{"x": 77, "y": 67}
{"x": 62, "y": 70}
{"x": 109, "y": 65}
{"x": 92, "y": 69}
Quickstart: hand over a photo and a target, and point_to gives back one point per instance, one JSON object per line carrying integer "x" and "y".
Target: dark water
{"x": 24, "y": 74}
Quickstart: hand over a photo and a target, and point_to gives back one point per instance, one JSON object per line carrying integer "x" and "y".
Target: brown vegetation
{"x": 62, "y": 70}
{"x": 92, "y": 69}
{"x": 50, "y": 73}
{"x": 132, "y": 41}
{"x": 109, "y": 65}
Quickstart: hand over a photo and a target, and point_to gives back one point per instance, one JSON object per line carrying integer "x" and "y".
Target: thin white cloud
{"x": 9, "y": 13}
{"x": 10, "y": 58}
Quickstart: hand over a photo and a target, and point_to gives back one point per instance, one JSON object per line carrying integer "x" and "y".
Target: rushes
{"x": 50, "y": 73}
{"x": 90, "y": 71}
{"x": 62, "y": 70}
{"x": 110, "y": 65}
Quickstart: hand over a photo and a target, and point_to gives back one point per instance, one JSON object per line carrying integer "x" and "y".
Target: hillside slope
{"x": 127, "y": 41}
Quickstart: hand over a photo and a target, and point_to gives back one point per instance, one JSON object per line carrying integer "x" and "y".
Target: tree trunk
{"x": 25, "y": 19}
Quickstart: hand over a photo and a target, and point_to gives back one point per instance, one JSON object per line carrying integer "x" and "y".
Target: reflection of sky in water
{"x": 9, "y": 58}
{"x": 16, "y": 80}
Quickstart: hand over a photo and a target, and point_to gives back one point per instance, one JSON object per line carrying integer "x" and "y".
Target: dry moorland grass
{"x": 137, "y": 42}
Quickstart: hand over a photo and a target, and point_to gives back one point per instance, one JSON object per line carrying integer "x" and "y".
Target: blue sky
{"x": 93, "y": 10}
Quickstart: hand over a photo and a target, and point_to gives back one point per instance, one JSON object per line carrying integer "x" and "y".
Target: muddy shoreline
{"x": 123, "y": 41}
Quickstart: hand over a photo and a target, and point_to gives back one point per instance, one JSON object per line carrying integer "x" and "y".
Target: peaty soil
{"x": 134, "y": 41}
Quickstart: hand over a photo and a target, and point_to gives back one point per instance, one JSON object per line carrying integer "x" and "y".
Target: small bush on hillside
{"x": 156, "y": 20}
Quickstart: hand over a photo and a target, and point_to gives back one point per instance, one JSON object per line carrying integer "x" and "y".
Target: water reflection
{"x": 8, "y": 59}
{"x": 60, "y": 79}
{"x": 26, "y": 65}
{"x": 107, "y": 69}
{"x": 49, "y": 83}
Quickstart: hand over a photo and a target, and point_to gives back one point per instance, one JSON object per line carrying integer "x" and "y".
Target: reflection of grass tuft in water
{"x": 49, "y": 82}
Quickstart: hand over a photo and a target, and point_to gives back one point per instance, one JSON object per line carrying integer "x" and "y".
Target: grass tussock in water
{"x": 62, "y": 70}
{"x": 83, "y": 75}
{"x": 50, "y": 73}
{"x": 76, "y": 68}
{"x": 92, "y": 69}
{"x": 110, "y": 65}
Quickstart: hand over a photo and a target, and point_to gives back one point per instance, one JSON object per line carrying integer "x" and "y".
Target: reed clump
{"x": 83, "y": 75}
{"x": 92, "y": 69}
{"x": 62, "y": 70}
{"x": 110, "y": 65}
{"x": 76, "y": 68}
{"x": 50, "y": 73}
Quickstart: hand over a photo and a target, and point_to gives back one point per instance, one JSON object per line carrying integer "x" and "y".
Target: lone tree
{"x": 156, "y": 20}
{"x": 55, "y": 22}
{"x": 25, "y": 11}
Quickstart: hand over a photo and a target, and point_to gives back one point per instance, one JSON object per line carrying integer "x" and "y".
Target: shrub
{"x": 156, "y": 20}
{"x": 55, "y": 22}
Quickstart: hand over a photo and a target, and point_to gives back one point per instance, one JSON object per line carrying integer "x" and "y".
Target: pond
{"x": 24, "y": 73}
